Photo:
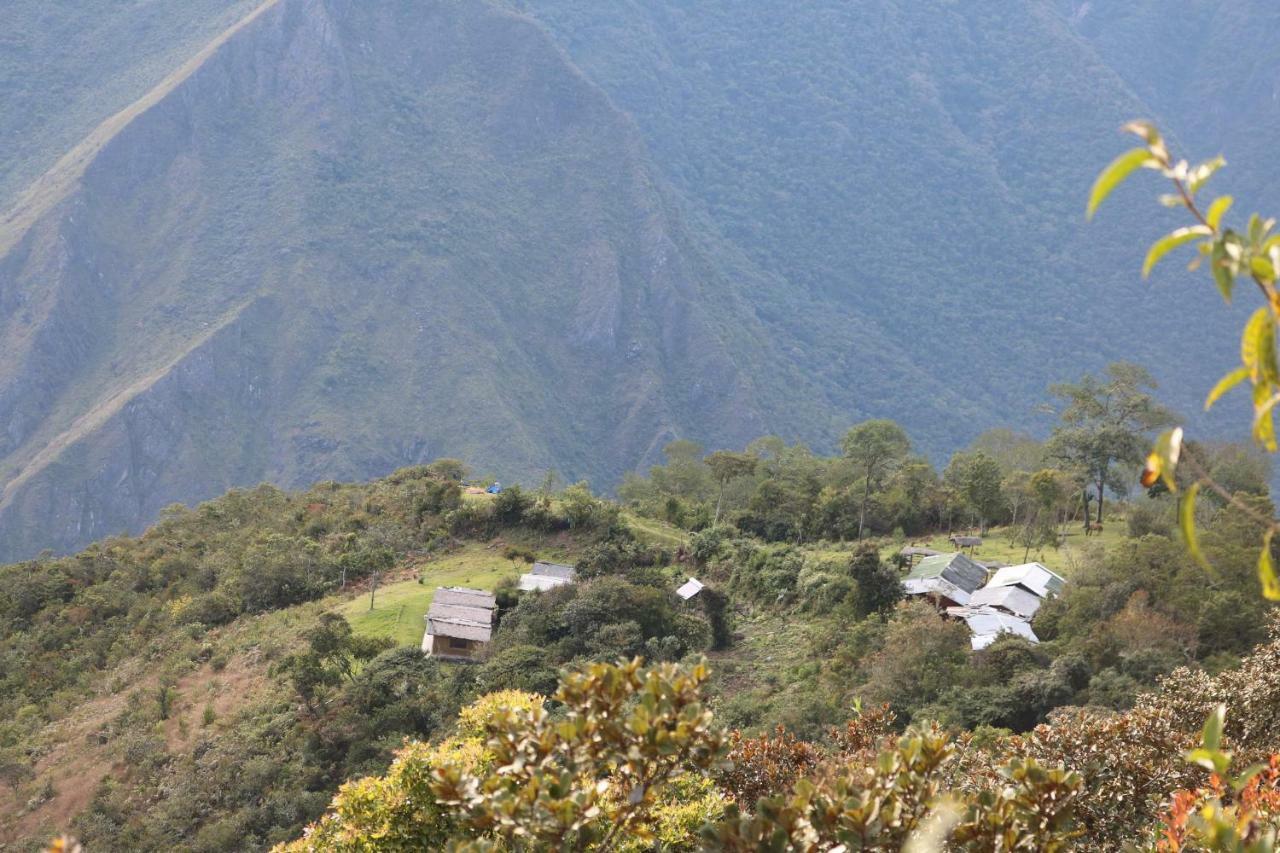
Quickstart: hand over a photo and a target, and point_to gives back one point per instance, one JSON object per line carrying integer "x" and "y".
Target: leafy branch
{"x": 1254, "y": 253}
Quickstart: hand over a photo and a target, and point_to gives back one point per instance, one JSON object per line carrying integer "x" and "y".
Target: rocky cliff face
{"x": 356, "y": 236}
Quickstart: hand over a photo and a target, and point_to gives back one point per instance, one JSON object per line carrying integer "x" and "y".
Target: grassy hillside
{"x": 196, "y": 686}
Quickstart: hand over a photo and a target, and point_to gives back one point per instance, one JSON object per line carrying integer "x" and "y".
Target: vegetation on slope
{"x": 227, "y": 673}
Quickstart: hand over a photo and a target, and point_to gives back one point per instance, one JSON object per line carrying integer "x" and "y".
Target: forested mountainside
{"x": 338, "y": 239}
{"x": 355, "y": 236}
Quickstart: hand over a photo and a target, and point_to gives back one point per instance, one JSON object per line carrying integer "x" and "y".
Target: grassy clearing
{"x": 399, "y": 608}
{"x": 651, "y": 531}
{"x": 998, "y": 544}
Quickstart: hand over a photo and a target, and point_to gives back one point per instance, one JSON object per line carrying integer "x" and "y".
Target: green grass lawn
{"x": 998, "y": 544}
{"x": 651, "y": 531}
{"x": 399, "y": 608}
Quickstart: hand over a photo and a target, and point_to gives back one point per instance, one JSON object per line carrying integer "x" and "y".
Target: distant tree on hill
{"x": 1106, "y": 421}
{"x": 976, "y": 478}
{"x": 876, "y": 448}
{"x": 726, "y": 465}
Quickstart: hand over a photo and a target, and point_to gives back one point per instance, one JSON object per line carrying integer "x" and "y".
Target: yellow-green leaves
{"x": 1217, "y": 210}
{"x": 1169, "y": 242}
{"x": 1258, "y": 346}
{"x": 1225, "y": 384}
{"x": 1187, "y": 525}
{"x": 1210, "y": 755}
{"x": 1258, "y": 356}
{"x": 1162, "y": 462}
{"x": 1267, "y": 570}
{"x": 1115, "y": 173}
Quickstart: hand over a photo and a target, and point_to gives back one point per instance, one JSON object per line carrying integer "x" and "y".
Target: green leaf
{"x": 1258, "y": 332}
{"x": 1187, "y": 525}
{"x": 1111, "y": 177}
{"x": 1267, "y": 570}
{"x": 1171, "y": 241}
{"x": 1262, "y": 269}
{"x": 1246, "y": 777}
{"x": 1211, "y": 735}
{"x": 1217, "y": 210}
{"x": 1264, "y": 427}
{"x": 1210, "y": 760}
{"x": 1225, "y": 384}
{"x": 1223, "y": 272}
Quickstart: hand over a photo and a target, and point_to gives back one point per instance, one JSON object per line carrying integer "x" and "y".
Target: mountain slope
{"x": 339, "y": 239}
{"x": 920, "y": 167}
{"x": 351, "y": 239}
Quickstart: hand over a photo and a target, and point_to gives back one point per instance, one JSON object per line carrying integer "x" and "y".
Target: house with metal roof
{"x": 948, "y": 579}
{"x": 546, "y": 575}
{"x": 987, "y": 624}
{"x": 459, "y": 623}
{"x": 1035, "y": 578}
{"x": 1013, "y": 599}
{"x": 689, "y": 588}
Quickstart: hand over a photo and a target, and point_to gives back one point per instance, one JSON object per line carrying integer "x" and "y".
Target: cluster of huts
{"x": 460, "y": 620}
{"x": 991, "y": 599}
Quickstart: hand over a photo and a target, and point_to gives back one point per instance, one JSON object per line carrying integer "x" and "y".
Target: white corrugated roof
{"x": 1014, "y": 599}
{"x": 531, "y": 581}
{"x": 464, "y": 596}
{"x": 987, "y": 624}
{"x": 689, "y": 589}
{"x": 936, "y": 586}
{"x": 1036, "y": 577}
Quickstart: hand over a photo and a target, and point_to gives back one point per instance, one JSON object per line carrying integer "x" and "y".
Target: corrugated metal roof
{"x": 689, "y": 589}
{"x": 530, "y": 581}
{"x": 464, "y": 596}
{"x": 957, "y": 569}
{"x": 553, "y": 570}
{"x": 463, "y": 630}
{"x": 966, "y": 541}
{"x": 936, "y": 586}
{"x": 462, "y": 612}
{"x": 1036, "y": 577}
{"x": 916, "y": 551}
{"x": 987, "y": 624}
{"x": 1014, "y": 599}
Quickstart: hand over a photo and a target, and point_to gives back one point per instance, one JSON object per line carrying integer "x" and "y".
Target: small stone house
{"x": 948, "y": 579}
{"x": 459, "y": 623}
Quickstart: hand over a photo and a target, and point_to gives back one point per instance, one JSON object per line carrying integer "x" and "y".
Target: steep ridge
{"x": 449, "y": 241}
{"x": 919, "y": 168}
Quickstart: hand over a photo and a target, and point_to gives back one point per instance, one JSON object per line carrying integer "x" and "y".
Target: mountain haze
{"x": 315, "y": 239}
{"x": 313, "y": 258}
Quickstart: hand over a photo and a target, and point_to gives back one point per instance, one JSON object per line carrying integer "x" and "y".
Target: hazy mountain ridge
{"x": 467, "y": 248}
{"x": 431, "y": 263}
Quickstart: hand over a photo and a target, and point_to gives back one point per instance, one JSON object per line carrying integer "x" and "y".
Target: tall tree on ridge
{"x": 876, "y": 448}
{"x": 1106, "y": 420}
